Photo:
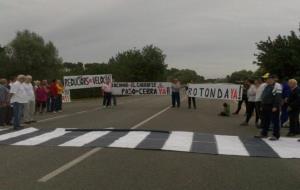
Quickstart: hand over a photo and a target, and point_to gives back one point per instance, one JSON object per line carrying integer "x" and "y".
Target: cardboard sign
{"x": 66, "y": 96}
{"x": 215, "y": 91}
{"x": 85, "y": 81}
{"x": 141, "y": 88}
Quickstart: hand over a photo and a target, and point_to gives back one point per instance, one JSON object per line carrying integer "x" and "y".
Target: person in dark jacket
{"x": 244, "y": 99}
{"x": 293, "y": 103}
{"x": 271, "y": 102}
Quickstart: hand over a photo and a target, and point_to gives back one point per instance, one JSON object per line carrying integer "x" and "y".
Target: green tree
{"x": 238, "y": 76}
{"x": 280, "y": 56}
{"x": 31, "y": 55}
{"x": 184, "y": 75}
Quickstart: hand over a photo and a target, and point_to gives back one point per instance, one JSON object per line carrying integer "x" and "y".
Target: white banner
{"x": 215, "y": 91}
{"x": 141, "y": 88}
{"x": 66, "y": 96}
{"x": 85, "y": 81}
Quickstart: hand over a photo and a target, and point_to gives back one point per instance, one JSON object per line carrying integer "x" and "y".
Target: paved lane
{"x": 138, "y": 169}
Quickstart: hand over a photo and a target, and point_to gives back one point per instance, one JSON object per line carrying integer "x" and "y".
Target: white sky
{"x": 213, "y": 37}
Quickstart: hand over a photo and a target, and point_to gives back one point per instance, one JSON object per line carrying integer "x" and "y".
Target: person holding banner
{"x": 251, "y": 95}
{"x": 271, "y": 102}
{"x": 60, "y": 90}
{"x": 107, "y": 90}
{"x": 190, "y": 99}
{"x": 175, "y": 93}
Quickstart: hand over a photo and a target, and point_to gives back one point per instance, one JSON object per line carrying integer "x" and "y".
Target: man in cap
{"x": 270, "y": 103}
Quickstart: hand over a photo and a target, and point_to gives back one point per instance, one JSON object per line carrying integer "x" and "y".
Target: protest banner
{"x": 85, "y": 81}
{"x": 66, "y": 96}
{"x": 215, "y": 91}
{"x": 141, "y": 88}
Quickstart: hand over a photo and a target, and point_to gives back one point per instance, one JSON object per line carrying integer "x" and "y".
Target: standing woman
{"x": 251, "y": 95}
{"x": 176, "y": 93}
{"x": 60, "y": 90}
{"x": 29, "y": 107}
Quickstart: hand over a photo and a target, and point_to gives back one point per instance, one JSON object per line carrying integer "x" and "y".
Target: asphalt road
{"x": 23, "y": 167}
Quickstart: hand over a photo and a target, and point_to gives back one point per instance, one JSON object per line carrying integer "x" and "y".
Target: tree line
{"x": 279, "y": 56}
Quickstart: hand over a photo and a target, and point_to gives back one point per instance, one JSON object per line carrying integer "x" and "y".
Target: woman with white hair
{"x": 29, "y": 107}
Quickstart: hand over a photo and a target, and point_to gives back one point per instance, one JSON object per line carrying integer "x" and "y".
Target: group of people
{"x": 274, "y": 105}
{"x": 21, "y": 99}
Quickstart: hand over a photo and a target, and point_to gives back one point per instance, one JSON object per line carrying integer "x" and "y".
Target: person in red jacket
{"x": 53, "y": 96}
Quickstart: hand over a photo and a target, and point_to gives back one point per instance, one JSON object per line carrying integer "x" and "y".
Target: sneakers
{"x": 273, "y": 139}
{"x": 244, "y": 124}
{"x": 261, "y": 136}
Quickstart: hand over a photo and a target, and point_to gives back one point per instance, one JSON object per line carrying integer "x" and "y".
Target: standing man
{"x": 286, "y": 91}
{"x": 29, "y": 107}
{"x": 176, "y": 93}
{"x": 293, "y": 103}
{"x": 260, "y": 86}
{"x": 107, "y": 89}
{"x": 244, "y": 99}
{"x": 271, "y": 100}
{"x": 190, "y": 99}
{"x": 4, "y": 102}
{"x": 251, "y": 95}
{"x": 18, "y": 99}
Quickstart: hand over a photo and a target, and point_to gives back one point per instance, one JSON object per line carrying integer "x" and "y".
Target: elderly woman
{"x": 29, "y": 107}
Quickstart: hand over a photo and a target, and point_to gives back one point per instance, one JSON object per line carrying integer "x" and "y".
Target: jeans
{"x": 2, "y": 115}
{"x": 59, "y": 103}
{"x": 258, "y": 111}
{"x": 53, "y": 103}
{"x": 250, "y": 110}
{"x": 267, "y": 117}
{"x": 284, "y": 114}
{"x": 175, "y": 99}
{"x": 49, "y": 104}
{"x": 108, "y": 96}
{"x": 240, "y": 105}
{"x": 18, "y": 110}
{"x": 190, "y": 99}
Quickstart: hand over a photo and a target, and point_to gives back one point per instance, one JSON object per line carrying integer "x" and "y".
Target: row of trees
{"x": 28, "y": 53}
{"x": 279, "y": 56}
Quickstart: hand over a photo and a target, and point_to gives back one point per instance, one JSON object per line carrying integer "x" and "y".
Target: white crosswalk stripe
{"x": 17, "y": 133}
{"x": 230, "y": 145}
{"x": 42, "y": 138}
{"x": 131, "y": 140}
{"x": 179, "y": 141}
{"x": 174, "y": 141}
{"x": 85, "y": 139}
{"x": 285, "y": 147}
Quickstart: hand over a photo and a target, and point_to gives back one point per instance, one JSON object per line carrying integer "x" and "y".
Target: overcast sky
{"x": 213, "y": 37}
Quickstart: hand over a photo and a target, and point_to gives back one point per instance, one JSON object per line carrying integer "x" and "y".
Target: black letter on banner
{"x": 194, "y": 91}
{"x": 220, "y": 94}
{"x": 212, "y": 92}
{"x": 226, "y": 96}
{"x": 201, "y": 91}
{"x": 206, "y": 92}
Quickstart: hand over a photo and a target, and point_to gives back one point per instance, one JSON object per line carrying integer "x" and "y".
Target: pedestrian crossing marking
{"x": 131, "y": 140}
{"x": 84, "y": 139}
{"x": 174, "y": 141}
{"x": 179, "y": 141}
{"x": 17, "y": 133}
{"x": 230, "y": 145}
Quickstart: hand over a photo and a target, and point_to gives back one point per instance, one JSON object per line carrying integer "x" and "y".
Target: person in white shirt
{"x": 29, "y": 107}
{"x": 107, "y": 89}
{"x": 260, "y": 86}
{"x": 251, "y": 94}
{"x": 18, "y": 98}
